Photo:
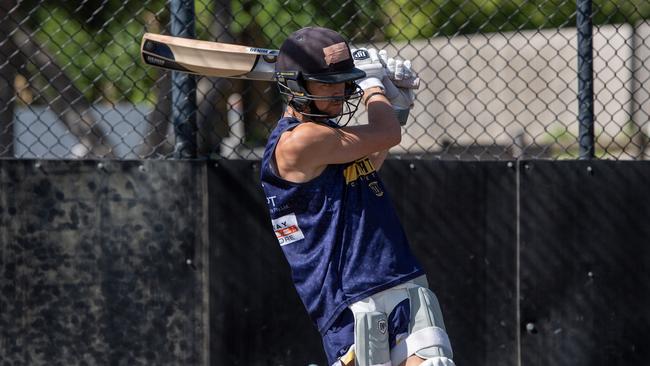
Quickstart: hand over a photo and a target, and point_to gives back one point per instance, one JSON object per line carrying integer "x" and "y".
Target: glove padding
{"x": 368, "y": 60}
{"x": 400, "y": 72}
{"x": 395, "y": 77}
{"x": 438, "y": 361}
{"x": 399, "y": 76}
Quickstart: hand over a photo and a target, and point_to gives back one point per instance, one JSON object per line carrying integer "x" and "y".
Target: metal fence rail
{"x": 500, "y": 77}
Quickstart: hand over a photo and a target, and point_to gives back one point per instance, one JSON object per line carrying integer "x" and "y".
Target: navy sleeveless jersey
{"x": 339, "y": 233}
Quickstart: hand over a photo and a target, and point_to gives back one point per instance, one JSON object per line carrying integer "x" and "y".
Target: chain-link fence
{"x": 499, "y": 76}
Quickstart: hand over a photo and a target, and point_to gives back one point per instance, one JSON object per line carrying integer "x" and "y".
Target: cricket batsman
{"x": 349, "y": 256}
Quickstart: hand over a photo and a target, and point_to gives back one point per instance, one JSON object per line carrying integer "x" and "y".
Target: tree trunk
{"x": 7, "y": 78}
{"x": 156, "y": 144}
{"x": 158, "y": 140}
{"x": 68, "y": 102}
{"x": 212, "y": 93}
{"x": 7, "y": 105}
{"x": 261, "y": 99}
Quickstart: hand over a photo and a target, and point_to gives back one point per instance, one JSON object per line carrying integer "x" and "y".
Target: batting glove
{"x": 401, "y": 98}
{"x": 399, "y": 75}
{"x": 400, "y": 72}
{"x": 368, "y": 60}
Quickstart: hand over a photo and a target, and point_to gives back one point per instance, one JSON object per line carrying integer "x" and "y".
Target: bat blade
{"x": 218, "y": 59}
{"x": 208, "y": 58}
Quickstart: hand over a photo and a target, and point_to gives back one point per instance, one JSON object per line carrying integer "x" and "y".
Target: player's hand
{"x": 400, "y": 84}
{"x": 400, "y": 71}
{"x": 368, "y": 60}
{"x": 402, "y": 100}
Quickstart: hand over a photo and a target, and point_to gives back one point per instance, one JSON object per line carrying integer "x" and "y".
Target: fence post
{"x": 585, "y": 79}
{"x": 183, "y": 85}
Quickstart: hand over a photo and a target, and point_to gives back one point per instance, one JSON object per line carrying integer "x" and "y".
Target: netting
{"x": 499, "y": 76}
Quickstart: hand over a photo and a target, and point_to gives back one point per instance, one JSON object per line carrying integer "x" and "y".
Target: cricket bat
{"x": 208, "y": 58}
{"x": 217, "y": 59}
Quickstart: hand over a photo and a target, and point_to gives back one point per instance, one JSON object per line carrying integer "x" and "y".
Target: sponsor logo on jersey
{"x": 358, "y": 169}
{"x": 287, "y": 230}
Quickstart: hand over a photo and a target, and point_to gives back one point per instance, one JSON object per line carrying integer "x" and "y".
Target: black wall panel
{"x": 585, "y": 263}
{"x": 257, "y": 317}
{"x": 93, "y": 263}
{"x": 459, "y": 219}
{"x": 533, "y": 261}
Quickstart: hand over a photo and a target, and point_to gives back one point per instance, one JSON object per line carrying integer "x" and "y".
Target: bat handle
{"x": 402, "y": 115}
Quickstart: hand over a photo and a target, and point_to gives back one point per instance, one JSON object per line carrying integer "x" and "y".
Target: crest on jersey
{"x": 376, "y": 188}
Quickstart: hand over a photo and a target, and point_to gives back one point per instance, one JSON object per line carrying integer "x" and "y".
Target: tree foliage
{"x": 98, "y": 43}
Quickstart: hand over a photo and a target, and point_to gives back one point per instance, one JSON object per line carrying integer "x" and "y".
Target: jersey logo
{"x": 376, "y": 188}
{"x": 357, "y": 169}
{"x": 287, "y": 230}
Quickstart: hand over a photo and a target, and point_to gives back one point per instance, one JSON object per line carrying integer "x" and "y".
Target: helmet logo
{"x": 336, "y": 53}
{"x": 360, "y": 55}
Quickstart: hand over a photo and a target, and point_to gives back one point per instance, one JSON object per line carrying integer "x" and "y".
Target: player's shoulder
{"x": 309, "y": 133}
{"x": 306, "y": 141}
{"x": 314, "y": 127}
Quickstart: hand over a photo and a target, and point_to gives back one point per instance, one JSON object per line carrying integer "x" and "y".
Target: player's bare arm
{"x": 378, "y": 158}
{"x": 303, "y": 153}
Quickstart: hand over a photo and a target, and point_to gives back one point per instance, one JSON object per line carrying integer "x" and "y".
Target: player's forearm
{"x": 381, "y": 116}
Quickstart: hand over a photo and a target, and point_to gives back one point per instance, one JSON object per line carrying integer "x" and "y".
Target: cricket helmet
{"x": 322, "y": 55}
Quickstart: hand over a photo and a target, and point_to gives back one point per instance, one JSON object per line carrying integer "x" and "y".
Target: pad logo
{"x": 360, "y": 55}
{"x": 287, "y": 230}
{"x": 382, "y": 326}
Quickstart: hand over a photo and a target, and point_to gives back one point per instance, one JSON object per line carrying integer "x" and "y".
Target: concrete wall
{"x": 513, "y": 89}
{"x": 498, "y": 87}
